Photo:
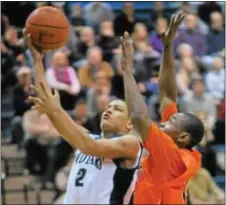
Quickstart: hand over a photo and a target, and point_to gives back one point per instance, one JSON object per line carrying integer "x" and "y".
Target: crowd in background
{"x": 87, "y": 70}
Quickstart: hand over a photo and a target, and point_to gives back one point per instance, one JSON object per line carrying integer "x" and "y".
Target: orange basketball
{"x": 48, "y": 27}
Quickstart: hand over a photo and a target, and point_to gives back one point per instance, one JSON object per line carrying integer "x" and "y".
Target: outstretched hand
{"x": 127, "y": 54}
{"x": 37, "y": 55}
{"x": 45, "y": 102}
{"x": 175, "y": 22}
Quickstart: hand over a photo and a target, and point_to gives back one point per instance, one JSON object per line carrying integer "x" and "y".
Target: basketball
{"x": 48, "y": 27}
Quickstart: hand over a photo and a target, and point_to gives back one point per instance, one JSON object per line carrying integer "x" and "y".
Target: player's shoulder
{"x": 131, "y": 139}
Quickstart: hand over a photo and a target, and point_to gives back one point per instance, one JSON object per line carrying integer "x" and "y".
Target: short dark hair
{"x": 193, "y": 126}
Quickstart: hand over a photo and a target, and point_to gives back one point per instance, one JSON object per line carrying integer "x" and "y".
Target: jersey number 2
{"x": 80, "y": 176}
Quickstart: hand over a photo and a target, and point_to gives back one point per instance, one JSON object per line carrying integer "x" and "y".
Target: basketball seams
{"x": 43, "y": 25}
{"x": 47, "y": 42}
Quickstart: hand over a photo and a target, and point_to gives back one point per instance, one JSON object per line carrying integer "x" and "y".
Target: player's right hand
{"x": 175, "y": 22}
{"x": 37, "y": 55}
{"x": 45, "y": 101}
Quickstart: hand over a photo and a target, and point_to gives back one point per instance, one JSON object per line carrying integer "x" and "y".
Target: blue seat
{"x": 143, "y": 16}
{"x": 218, "y": 148}
{"x": 220, "y": 180}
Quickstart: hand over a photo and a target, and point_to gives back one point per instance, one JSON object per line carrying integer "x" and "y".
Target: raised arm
{"x": 167, "y": 81}
{"x": 40, "y": 75}
{"x": 167, "y": 75}
{"x": 134, "y": 100}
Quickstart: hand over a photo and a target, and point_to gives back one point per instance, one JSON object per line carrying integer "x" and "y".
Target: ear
{"x": 129, "y": 125}
{"x": 183, "y": 138}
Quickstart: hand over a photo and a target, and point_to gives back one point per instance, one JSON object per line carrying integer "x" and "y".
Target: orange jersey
{"x": 167, "y": 169}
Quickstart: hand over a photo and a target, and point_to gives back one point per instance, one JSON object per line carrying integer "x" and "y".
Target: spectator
{"x": 216, "y": 36}
{"x": 159, "y": 11}
{"x": 215, "y": 80}
{"x": 97, "y": 12}
{"x": 21, "y": 103}
{"x": 102, "y": 86}
{"x": 208, "y": 137}
{"x": 102, "y": 102}
{"x": 185, "y": 50}
{"x": 192, "y": 36}
{"x": 125, "y": 21}
{"x": 87, "y": 40}
{"x": 21, "y": 92}
{"x": 77, "y": 23}
{"x": 11, "y": 42}
{"x": 203, "y": 190}
{"x": 199, "y": 101}
{"x": 94, "y": 64}
{"x": 108, "y": 42}
{"x": 63, "y": 77}
{"x": 186, "y": 7}
{"x": 77, "y": 18}
{"x": 187, "y": 71}
{"x": 79, "y": 114}
{"x": 140, "y": 35}
{"x": 4, "y": 24}
{"x": 156, "y": 41}
{"x": 209, "y": 158}
{"x": 37, "y": 124}
{"x": 8, "y": 69}
{"x": 202, "y": 27}
{"x": 145, "y": 56}
{"x": 206, "y": 8}
{"x": 38, "y": 132}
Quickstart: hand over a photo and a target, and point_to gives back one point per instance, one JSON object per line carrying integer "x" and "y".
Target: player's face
{"x": 115, "y": 119}
{"x": 172, "y": 126}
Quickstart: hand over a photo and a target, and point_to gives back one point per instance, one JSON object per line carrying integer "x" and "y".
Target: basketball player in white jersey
{"x": 105, "y": 166}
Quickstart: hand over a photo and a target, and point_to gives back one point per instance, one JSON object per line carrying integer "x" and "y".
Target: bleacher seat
{"x": 218, "y": 148}
{"x": 6, "y": 110}
{"x": 220, "y": 180}
{"x": 118, "y": 5}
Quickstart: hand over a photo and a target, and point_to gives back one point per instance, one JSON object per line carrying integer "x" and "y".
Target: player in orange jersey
{"x": 171, "y": 161}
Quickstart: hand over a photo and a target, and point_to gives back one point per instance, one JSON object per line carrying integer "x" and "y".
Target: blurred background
{"x": 36, "y": 160}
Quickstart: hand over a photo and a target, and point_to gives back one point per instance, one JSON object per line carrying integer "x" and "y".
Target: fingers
{"x": 44, "y": 88}
{"x": 56, "y": 92}
{"x": 38, "y": 91}
{"x": 35, "y": 89}
{"x": 122, "y": 46}
{"x": 36, "y": 100}
{"x": 176, "y": 20}
{"x": 27, "y": 38}
{"x": 179, "y": 17}
{"x": 34, "y": 49}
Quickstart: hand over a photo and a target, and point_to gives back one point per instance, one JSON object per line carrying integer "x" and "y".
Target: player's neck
{"x": 109, "y": 134}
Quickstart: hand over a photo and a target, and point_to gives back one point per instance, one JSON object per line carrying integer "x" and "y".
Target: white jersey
{"x": 96, "y": 181}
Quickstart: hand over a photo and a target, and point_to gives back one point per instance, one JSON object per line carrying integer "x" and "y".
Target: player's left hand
{"x": 127, "y": 54}
{"x": 45, "y": 102}
{"x": 175, "y": 22}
